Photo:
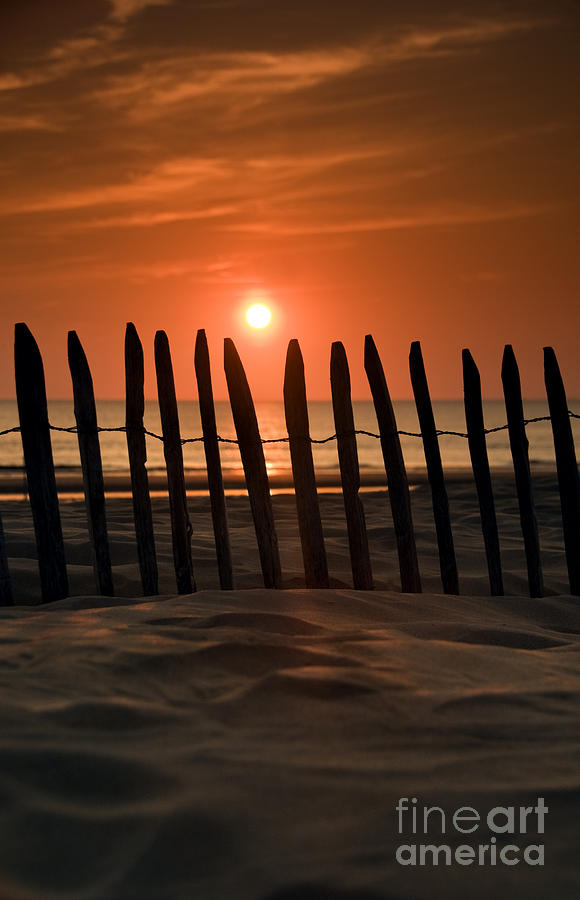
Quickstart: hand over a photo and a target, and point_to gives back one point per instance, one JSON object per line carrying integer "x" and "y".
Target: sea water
{"x": 449, "y": 416}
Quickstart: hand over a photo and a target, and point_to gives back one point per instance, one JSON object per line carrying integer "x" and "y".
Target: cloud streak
{"x": 96, "y": 47}
{"x": 124, "y": 9}
{"x": 208, "y": 177}
{"x": 26, "y": 123}
{"x": 166, "y": 179}
{"x": 153, "y": 219}
{"x": 156, "y": 88}
{"x": 428, "y": 218}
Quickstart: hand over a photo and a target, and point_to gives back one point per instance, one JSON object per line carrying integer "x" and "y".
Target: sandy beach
{"x": 255, "y": 744}
{"x": 260, "y": 238}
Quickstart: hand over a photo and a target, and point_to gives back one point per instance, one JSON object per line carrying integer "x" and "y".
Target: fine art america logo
{"x": 506, "y": 824}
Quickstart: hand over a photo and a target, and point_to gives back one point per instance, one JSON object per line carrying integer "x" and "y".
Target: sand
{"x": 255, "y": 743}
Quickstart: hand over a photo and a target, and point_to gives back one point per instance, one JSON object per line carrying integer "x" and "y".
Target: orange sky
{"x": 409, "y": 170}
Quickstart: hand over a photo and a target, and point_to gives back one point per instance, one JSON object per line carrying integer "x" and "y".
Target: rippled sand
{"x": 254, "y": 744}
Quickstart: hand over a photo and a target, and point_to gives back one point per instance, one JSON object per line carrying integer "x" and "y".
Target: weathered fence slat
{"x": 566, "y": 466}
{"x": 395, "y": 469}
{"x": 252, "y": 454}
{"x": 512, "y": 390}
{"x": 36, "y": 444}
{"x": 297, "y": 424}
{"x": 91, "y": 465}
{"x": 6, "y": 598}
{"x": 440, "y": 500}
{"x": 481, "y": 473}
{"x": 349, "y": 469}
{"x": 213, "y": 463}
{"x": 172, "y": 448}
{"x": 137, "y": 451}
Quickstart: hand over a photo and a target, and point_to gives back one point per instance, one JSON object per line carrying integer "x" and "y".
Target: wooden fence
{"x": 36, "y": 442}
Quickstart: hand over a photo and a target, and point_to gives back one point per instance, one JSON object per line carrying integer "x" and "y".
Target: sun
{"x": 258, "y": 316}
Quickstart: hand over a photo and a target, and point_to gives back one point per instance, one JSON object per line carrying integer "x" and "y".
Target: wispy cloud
{"x": 26, "y": 123}
{"x": 164, "y": 180}
{"x": 13, "y": 81}
{"x": 67, "y": 58}
{"x": 314, "y": 162}
{"x": 212, "y": 179}
{"x": 270, "y": 193}
{"x": 124, "y": 9}
{"x": 415, "y": 43}
{"x": 156, "y": 87}
{"x": 220, "y": 272}
{"x": 78, "y": 268}
{"x": 151, "y": 219}
{"x": 429, "y": 218}
{"x": 96, "y": 46}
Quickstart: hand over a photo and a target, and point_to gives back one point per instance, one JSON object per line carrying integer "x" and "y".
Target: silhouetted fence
{"x": 35, "y": 433}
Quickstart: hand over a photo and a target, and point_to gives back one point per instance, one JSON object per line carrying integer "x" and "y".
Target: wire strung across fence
{"x": 35, "y": 429}
{"x": 73, "y": 429}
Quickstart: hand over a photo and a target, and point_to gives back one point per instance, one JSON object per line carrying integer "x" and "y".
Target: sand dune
{"x": 254, "y": 744}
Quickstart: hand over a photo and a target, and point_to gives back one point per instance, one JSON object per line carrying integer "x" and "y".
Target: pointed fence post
{"x": 172, "y": 448}
{"x": 349, "y": 469}
{"x": 512, "y": 390}
{"x": 213, "y": 462}
{"x": 90, "y": 452}
{"x": 297, "y": 424}
{"x": 447, "y": 560}
{"x": 254, "y": 464}
{"x": 481, "y": 473}
{"x": 6, "y": 598}
{"x": 566, "y": 465}
{"x": 37, "y": 447}
{"x": 137, "y": 451}
{"x": 395, "y": 469}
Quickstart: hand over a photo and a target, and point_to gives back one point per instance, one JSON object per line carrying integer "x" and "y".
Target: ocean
{"x": 449, "y": 416}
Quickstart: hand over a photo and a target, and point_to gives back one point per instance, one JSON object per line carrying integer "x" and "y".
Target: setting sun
{"x": 258, "y": 316}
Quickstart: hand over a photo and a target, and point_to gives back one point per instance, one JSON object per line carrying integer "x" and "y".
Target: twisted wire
{"x": 73, "y": 429}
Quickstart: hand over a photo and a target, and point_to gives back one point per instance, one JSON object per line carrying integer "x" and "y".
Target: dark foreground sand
{"x": 255, "y": 744}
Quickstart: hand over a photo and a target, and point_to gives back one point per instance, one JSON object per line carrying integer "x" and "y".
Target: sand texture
{"x": 253, "y": 744}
